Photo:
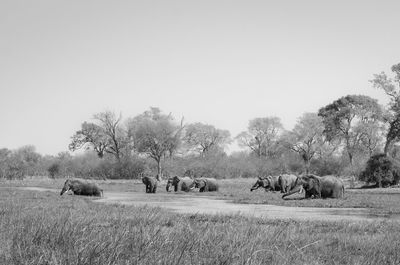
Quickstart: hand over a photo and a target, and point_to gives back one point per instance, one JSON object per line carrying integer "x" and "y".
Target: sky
{"x": 217, "y": 62}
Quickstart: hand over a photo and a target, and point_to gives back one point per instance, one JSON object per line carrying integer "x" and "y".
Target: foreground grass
{"x": 44, "y": 228}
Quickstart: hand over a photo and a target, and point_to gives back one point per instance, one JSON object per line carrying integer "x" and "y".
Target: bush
{"x": 54, "y": 170}
{"x": 382, "y": 170}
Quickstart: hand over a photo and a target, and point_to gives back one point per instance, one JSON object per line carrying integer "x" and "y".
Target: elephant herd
{"x": 79, "y": 187}
{"x": 181, "y": 184}
{"x": 314, "y": 186}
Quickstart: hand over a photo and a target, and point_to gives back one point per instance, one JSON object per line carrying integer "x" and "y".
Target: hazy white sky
{"x": 216, "y": 62}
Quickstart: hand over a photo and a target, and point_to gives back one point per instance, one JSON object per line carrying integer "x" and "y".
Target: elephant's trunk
{"x": 64, "y": 190}
{"x": 295, "y": 189}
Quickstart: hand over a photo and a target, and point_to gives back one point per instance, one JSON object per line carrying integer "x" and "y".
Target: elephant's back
{"x": 332, "y": 180}
{"x": 212, "y": 184}
{"x": 90, "y": 189}
{"x": 185, "y": 183}
{"x": 335, "y": 186}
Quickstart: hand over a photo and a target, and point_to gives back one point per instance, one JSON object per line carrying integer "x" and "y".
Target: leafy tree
{"x": 105, "y": 136}
{"x": 306, "y": 138}
{"x": 202, "y": 138}
{"x": 90, "y": 136}
{"x": 353, "y": 119}
{"x": 391, "y": 86}
{"x": 261, "y": 136}
{"x": 155, "y": 134}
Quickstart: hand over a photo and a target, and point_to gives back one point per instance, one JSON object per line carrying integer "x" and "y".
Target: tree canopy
{"x": 155, "y": 134}
{"x": 354, "y": 120}
{"x": 391, "y": 86}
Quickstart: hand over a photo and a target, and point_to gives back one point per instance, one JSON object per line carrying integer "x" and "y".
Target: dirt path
{"x": 183, "y": 203}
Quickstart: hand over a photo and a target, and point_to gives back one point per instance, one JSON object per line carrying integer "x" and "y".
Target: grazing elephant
{"x": 206, "y": 184}
{"x": 151, "y": 184}
{"x": 268, "y": 183}
{"x": 287, "y": 182}
{"x": 79, "y": 187}
{"x": 318, "y": 187}
{"x": 180, "y": 184}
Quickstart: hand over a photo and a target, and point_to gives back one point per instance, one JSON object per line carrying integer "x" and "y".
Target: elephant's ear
{"x": 316, "y": 181}
{"x": 205, "y": 182}
{"x": 268, "y": 180}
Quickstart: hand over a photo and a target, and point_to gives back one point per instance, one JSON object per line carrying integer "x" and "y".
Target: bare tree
{"x": 261, "y": 135}
{"x": 306, "y": 138}
{"x": 104, "y": 136}
{"x": 202, "y": 137}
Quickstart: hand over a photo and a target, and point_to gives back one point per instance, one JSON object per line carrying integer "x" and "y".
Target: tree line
{"x": 341, "y": 138}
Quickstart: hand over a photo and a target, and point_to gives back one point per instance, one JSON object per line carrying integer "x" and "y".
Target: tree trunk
{"x": 159, "y": 169}
{"x": 386, "y": 149}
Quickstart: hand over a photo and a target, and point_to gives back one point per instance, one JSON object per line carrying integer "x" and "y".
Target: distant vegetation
{"x": 345, "y": 137}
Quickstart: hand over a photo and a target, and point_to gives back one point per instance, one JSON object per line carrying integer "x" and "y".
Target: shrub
{"x": 54, "y": 170}
{"x": 382, "y": 170}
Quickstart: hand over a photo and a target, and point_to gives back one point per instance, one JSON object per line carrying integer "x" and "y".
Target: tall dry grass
{"x": 44, "y": 228}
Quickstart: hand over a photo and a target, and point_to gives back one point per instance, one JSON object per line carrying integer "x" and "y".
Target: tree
{"x": 90, "y": 136}
{"x": 22, "y": 162}
{"x": 202, "y": 138}
{"x": 106, "y": 136}
{"x": 391, "y": 86}
{"x": 115, "y": 134}
{"x": 155, "y": 134}
{"x": 350, "y": 119}
{"x": 306, "y": 138}
{"x": 261, "y": 135}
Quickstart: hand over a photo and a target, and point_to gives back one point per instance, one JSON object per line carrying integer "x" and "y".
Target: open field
{"x": 44, "y": 228}
{"x": 380, "y": 201}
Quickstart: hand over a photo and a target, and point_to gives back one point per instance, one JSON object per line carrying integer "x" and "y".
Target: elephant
{"x": 318, "y": 187}
{"x": 180, "y": 183}
{"x": 79, "y": 187}
{"x": 151, "y": 184}
{"x": 206, "y": 184}
{"x": 287, "y": 182}
{"x": 268, "y": 183}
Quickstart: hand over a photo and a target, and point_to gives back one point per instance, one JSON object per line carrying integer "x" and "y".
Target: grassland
{"x": 44, "y": 228}
{"x": 380, "y": 201}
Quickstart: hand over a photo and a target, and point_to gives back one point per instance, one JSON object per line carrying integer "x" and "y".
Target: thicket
{"x": 381, "y": 170}
{"x": 25, "y": 161}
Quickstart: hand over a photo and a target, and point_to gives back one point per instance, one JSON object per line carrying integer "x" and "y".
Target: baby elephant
{"x": 151, "y": 184}
{"x": 79, "y": 187}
